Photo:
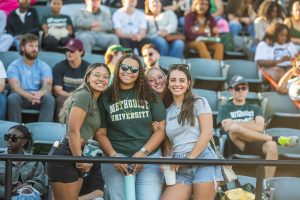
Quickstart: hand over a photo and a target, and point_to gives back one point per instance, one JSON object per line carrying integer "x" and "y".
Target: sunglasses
{"x": 243, "y": 88}
{"x": 126, "y": 67}
{"x": 179, "y": 66}
{"x": 12, "y": 137}
{"x": 149, "y": 55}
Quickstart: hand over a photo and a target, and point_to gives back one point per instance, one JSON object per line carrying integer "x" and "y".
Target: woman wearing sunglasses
{"x": 82, "y": 116}
{"x": 127, "y": 110}
{"x": 24, "y": 173}
{"x": 189, "y": 128}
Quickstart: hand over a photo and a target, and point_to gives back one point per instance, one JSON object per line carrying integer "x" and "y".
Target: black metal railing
{"x": 8, "y": 158}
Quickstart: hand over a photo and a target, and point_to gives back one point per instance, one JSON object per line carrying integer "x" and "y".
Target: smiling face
{"x": 98, "y": 79}
{"x": 155, "y": 6}
{"x": 296, "y": 10}
{"x": 178, "y": 83}
{"x": 201, "y": 7}
{"x": 127, "y": 77}
{"x": 156, "y": 80}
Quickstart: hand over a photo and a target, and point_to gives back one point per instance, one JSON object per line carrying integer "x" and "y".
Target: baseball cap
{"x": 236, "y": 80}
{"x": 74, "y": 45}
{"x": 117, "y": 48}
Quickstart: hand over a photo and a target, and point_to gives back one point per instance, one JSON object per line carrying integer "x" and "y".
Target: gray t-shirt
{"x": 185, "y": 137}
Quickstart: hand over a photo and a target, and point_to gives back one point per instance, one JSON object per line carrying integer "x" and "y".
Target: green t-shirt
{"x": 244, "y": 113}
{"x": 84, "y": 100}
{"x": 57, "y": 21}
{"x": 213, "y": 7}
{"x": 128, "y": 122}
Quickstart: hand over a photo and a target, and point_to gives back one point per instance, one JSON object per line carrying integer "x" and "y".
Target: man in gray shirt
{"x": 93, "y": 26}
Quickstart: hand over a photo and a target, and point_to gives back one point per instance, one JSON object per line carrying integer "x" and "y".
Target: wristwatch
{"x": 145, "y": 151}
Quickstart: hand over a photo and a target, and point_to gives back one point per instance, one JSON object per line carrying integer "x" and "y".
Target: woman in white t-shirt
{"x": 275, "y": 52}
{"x": 189, "y": 128}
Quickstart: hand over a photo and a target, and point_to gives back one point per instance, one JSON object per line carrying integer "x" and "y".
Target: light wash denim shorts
{"x": 199, "y": 174}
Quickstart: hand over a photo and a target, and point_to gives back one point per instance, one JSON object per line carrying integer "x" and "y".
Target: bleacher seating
{"x": 4, "y": 127}
{"x": 166, "y": 61}
{"x": 284, "y": 188}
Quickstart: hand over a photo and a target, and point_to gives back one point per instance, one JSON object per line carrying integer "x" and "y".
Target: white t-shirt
{"x": 2, "y": 71}
{"x": 263, "y": 51}
{"x": 185, "y": 137}
{"x": 129, "y": 24}
{"x": 21, "y": 15}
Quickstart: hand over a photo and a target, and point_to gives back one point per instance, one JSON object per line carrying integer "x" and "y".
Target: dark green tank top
{"x": 294, "y": 32}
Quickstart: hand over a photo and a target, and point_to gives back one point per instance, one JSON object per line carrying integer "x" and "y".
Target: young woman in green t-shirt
{"x": 82, "y": 116}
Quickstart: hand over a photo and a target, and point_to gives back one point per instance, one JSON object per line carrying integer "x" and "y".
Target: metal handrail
{"x": 259, "y": 163}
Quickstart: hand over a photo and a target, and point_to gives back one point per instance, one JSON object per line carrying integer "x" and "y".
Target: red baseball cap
{"x": 74, "y": 45}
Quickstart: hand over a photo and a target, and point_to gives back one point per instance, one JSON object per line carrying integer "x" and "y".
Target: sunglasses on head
{"x": 179, "y": 66}
{"x": 243, "y": 88}
{"x": 12, "y": 137}
{"x": 126, "y": 67}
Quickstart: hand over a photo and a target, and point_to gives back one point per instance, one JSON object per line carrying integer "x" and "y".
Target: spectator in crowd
{"x": 151, "y": 57}
{"x": 130, "y": 26}
{"x": 127, "y": 109}
{"x": 276, "y": 52}
{"x": 31, "y": 82}
{"x": 112, "y": 56}
{"x": 217, "y": 9}
{"x": 93, "y": 25}
{"x": 2, "y": 95}
{"x": 189, "y": 128}
{"x": 290, "y": 78}
{"x": 82, "y": 116}
{"x": 293, "y": 23}
{"x": 244, "y": 124}
{"x": 69, "y": 73}
{"x": 180, "y": 7}
{"x": 200, "y": 23}
{"x": 57, "y": 28}
{"x": 10, "y": 5}
{"x": 156, "y": 79}
{"x": 24, "y": 173}
{"x": 241, "y": 15}
{"x": 6, "y": 40}
{"x": 270, "y": 12}
{"x": 21, "y": 21}
{"x": 161, "y": 25}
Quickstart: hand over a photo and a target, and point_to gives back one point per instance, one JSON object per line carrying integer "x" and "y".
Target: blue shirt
{"x": 30, "y": 77}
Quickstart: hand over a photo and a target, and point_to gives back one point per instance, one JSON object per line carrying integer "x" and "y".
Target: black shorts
{"x": 64, "y": 172}
{"x": 251, "y": 148}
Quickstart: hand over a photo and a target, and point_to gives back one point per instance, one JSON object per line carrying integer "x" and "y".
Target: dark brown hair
{"x": 186, "y": 115}
{"x": 142, "y": 89}
{"x": 280, "y": 27}
{"x": 27, "y": 38}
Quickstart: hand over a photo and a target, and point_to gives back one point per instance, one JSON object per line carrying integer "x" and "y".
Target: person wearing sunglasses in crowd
{"x": 244, "y": 123}
{"x": 81, "y": 114}
{"x": 24, "y": 173}
{"x": 127, "y": 110}
{"x": 189, "y": 128}
{"x": 68, "y": 74}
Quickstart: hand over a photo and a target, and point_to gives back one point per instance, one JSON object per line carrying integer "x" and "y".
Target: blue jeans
{"x": 174, "y": 49}
{"x": 17, "y": 43}
{"x": 236, "y": 28}
{"x": 148, "y": 183}
{"x": 2, "y": 106}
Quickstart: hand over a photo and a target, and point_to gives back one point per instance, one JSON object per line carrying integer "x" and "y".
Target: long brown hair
{"x": 186, "y": 115}
{"x": 85, "y": 85}
{"x": 142, "y": 90}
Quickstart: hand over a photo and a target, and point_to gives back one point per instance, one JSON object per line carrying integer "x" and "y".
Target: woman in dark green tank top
{"x": 293, "y": 23}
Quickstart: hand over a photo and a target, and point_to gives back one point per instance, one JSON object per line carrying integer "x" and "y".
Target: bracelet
{"x": 145, "y": 151}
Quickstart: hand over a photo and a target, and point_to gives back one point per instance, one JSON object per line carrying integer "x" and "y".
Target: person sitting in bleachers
{"x": 200, "y": 23}
{"x": 244, "y": 124}
{"x": 10, "y": 5}
{"x": 21, "y": 21}
{"x": 160, "y": 26}
{"x": 68, "y": 74}
{"x": 269, "y": 13}
{"x": 24, "y": 173}
{"x": 274, "y": 54}
{"x": 6, "y": 39}
{"x": 31, "y": 82}
{"x": 93, "y": 26}
{"x": 130, "y": 26}
{"x": 2, "y": 95}
{"x": 293, "y": 22}
{"x": 112, "y": 56}
{"x": 151, "y": 57}
{"x": 57, "y": 28}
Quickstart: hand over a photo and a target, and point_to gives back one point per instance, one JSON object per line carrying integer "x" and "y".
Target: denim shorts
{"x": 199, "y": 174}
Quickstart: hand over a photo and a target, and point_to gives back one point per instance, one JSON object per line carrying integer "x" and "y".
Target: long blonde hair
{"x": 85, "y": 85}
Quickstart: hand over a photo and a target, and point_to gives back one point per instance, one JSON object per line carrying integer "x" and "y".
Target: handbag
{"x": 227, "y": 172}
{"x": 238, "y": 194}
{"x": 27, "y": 193}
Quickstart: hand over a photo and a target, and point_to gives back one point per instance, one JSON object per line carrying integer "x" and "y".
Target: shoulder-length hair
{"x": 186, "y": 116}
{"x": 84, "y": 86}
{"x": 195, "y": 2}
{"x": 142, "y": 89}
{"x": 280, "y": 27}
